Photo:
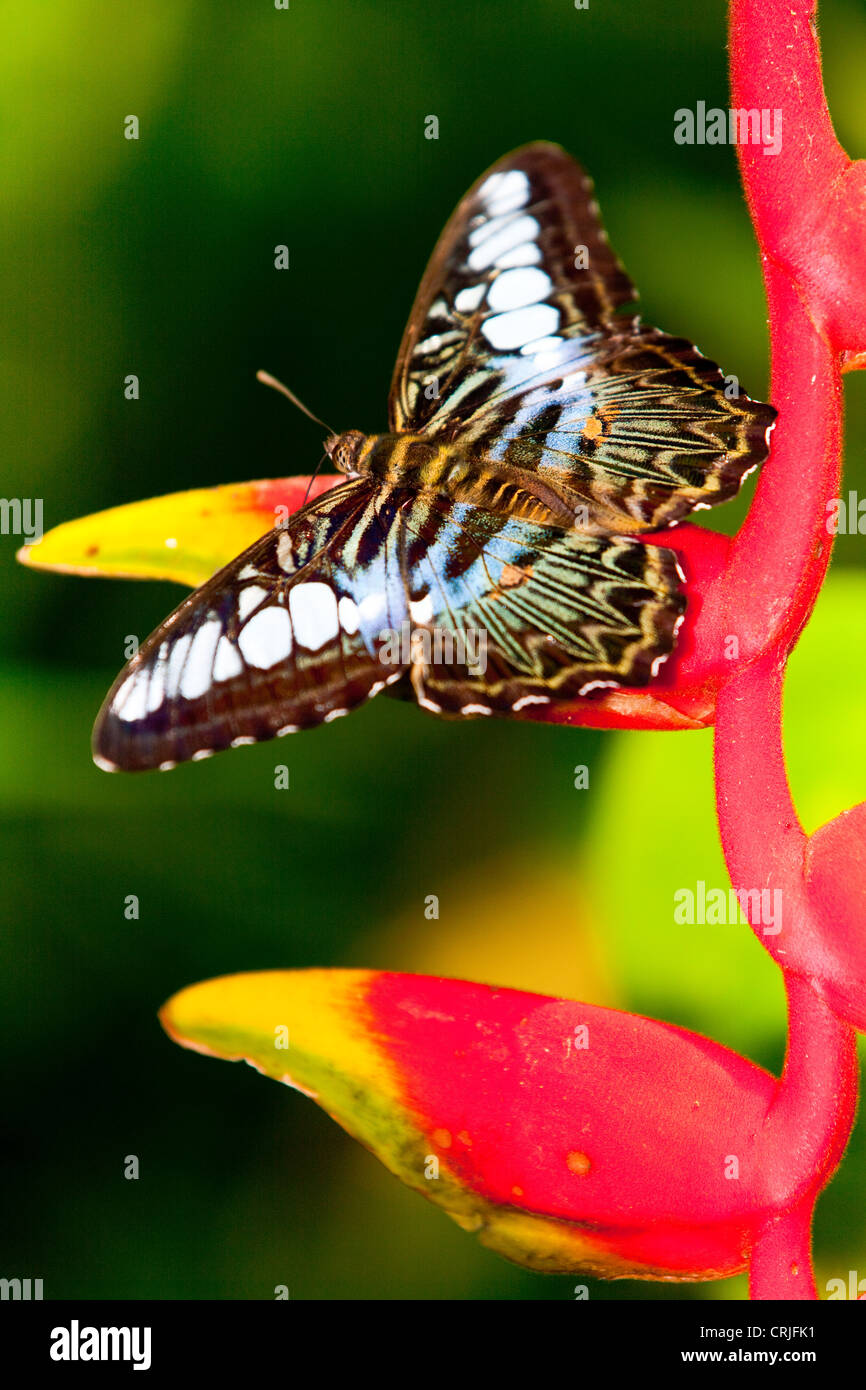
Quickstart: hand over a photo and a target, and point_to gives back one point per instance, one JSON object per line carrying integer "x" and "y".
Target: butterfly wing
{"x": 515, "y": 354}
{"x": 294, "y": 632}
{"x": 520, "y": 225}
{"x": 282, "y": 638}
{"x": 517, "y": 613}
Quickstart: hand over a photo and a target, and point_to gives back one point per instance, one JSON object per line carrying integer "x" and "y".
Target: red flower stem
{"x": 780, "y": 1265}
{"x": 779, "y": 557}
{"x": 762, "y": 838}
{"x": 777, "y": 564}
{"x": 805, "y": 1133}
{"x": 808, "y": 1123}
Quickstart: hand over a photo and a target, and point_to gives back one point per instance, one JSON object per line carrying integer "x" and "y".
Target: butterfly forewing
{"x": 523, "y": 251}
{"x": 515, "y": 356}
{"x": 283, "y": 638}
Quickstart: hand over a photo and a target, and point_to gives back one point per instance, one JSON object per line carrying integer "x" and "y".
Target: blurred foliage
{"x": 305, "y": 127}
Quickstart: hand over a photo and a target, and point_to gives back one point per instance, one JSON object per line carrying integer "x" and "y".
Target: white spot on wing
{"x": 267, "y": 638}
{"x": 285, "y": 553}
{"x": 495, "y": 239}
{"x": 572, "y": 382}
{"x": 156, "y": 689}
{"x": 505, "y": 192}
{"x": 527, "y": 254}
{"x": 249, "y": 599}
{"x": 597, "y": 685}
{"x": 198, "y": 671}
{"x": 514, "y": 289}
{"x": 521, "y": 326}
{"x": 131, "y": 699}
{"x": 348, "y": 611}
{"x": 227, "y": 663}
{"x": 466, "y": 301}
{"x": 421, "y": 611}
{"x": 437, "y": 341}
{"x": 176, "y": 659}
{"x": 314, "y": 614}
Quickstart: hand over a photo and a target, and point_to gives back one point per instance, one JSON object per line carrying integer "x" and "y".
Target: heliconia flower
{"x": 186, "y": 537}
{"x": 568, "y": 1137}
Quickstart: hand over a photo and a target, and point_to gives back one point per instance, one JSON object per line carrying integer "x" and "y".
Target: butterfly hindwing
{"x": 506, "y": 612}
{"x": 514, "y": 354}
{"x": 282, "y": 638}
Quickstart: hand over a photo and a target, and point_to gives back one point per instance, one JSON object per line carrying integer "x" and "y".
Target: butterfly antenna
{"x": 313, "y": 476}
{"x": 267, "y": 380}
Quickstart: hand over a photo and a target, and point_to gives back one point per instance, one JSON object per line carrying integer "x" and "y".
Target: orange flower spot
{"x": 517, "y": 1191}
{"x": 465, "y": 1139}
{"x": 442, "y": 1137}
{"x": 578, "y": 1164}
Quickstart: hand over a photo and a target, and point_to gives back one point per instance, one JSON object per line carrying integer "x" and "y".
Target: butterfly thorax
{"x": 417, "y": 463}
{"x": 399, "y": 459}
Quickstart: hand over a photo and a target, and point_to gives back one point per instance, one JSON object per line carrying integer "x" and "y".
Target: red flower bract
{"x": 570, "y": 1137}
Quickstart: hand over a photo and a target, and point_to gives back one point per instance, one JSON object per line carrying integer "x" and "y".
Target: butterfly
{"x": 534, "y": 433}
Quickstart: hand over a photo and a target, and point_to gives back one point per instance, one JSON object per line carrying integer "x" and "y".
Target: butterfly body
{"x": 535, "y": 436}
{"x": 416, "y": 463}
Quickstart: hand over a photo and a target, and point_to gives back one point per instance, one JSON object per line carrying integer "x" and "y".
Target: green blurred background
{"x": 155, "y": 257}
